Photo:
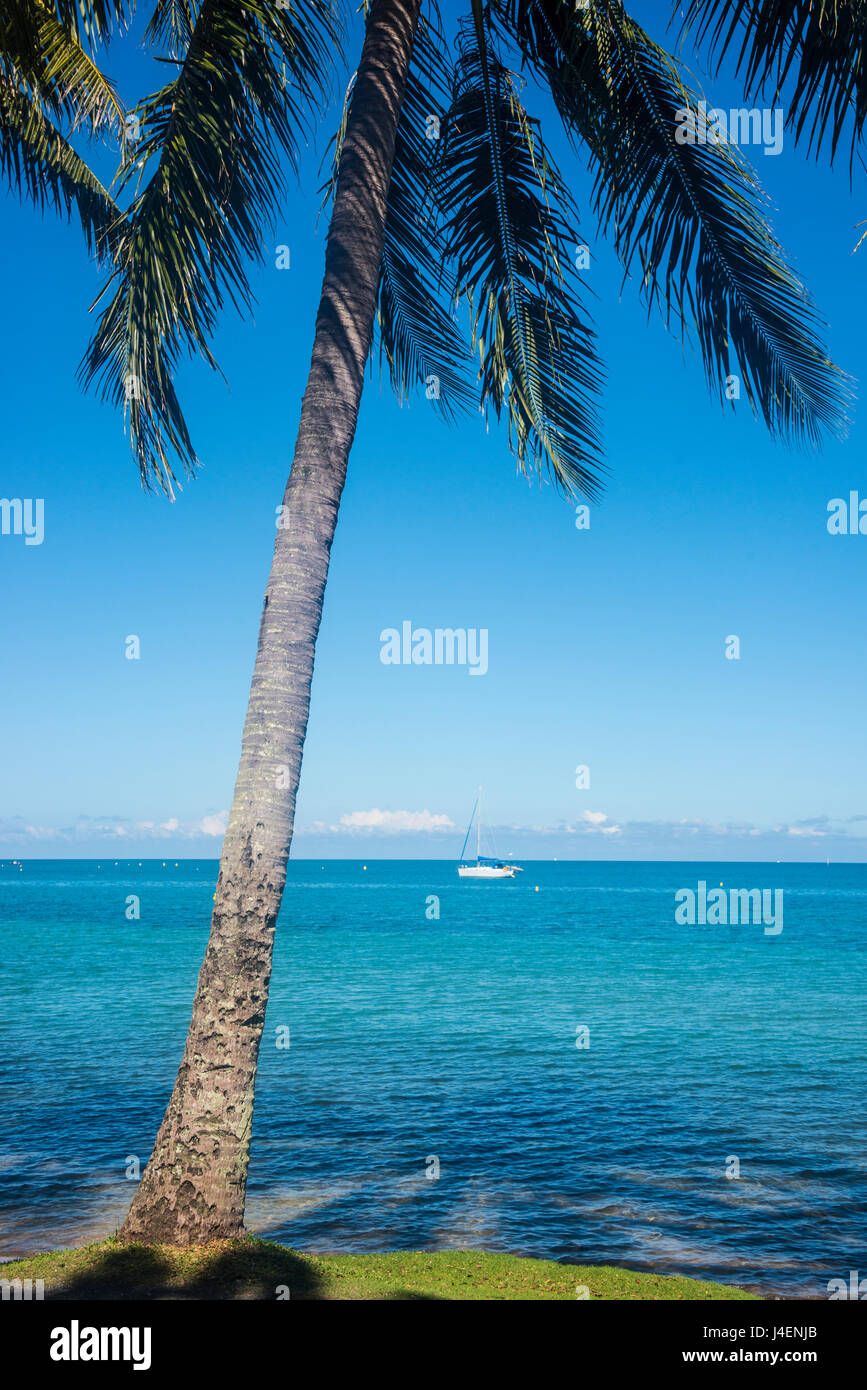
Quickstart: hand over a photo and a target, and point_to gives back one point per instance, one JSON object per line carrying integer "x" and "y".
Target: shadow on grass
{"x": 237, "y": 1270}
{"x": 410, "y": 1296}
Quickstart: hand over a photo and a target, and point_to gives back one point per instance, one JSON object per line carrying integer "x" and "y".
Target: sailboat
{"x": 483, "y": 867}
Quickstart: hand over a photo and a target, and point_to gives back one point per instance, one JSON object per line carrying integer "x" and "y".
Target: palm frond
{"x": 817, "y": 45}
{"x": 38, "y": 162}
{"x": 45, "y": 57}
{"x": 80, "y": 90}
{"x": 692, "y": 215}
{"x": 95, "y": 19}
{"x": 510, "y": 225}
{"x": 172, "y": 23}
{"x": 88, "y": 21}
{"x": 48, "y": 79}
{"x": 210, "y": 149}
{"x": 418, "y": 337}
{"x": 335, "y": 147}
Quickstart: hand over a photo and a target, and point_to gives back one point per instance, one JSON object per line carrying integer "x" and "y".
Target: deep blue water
{"x": 413, "y": 1037}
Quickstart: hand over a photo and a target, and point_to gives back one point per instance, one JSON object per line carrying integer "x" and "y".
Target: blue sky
{"x": 606, "y": 646}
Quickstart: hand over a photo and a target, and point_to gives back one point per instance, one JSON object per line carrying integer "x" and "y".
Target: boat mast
{"x": 469, "y": 829}
{"x": 479, "y": 827}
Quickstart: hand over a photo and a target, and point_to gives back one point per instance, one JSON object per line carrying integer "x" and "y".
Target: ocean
{"x": 552, "y": 1066}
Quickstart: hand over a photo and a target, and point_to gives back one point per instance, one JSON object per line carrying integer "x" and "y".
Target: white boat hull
{"x": 488, "y": 870}
{"x": 486, "y": 866}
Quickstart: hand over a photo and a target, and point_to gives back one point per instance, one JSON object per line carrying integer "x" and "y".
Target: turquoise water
{"x": 413, "y": 1037}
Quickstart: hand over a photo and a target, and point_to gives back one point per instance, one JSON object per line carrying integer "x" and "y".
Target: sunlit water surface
{"x": 415, "y": 1037}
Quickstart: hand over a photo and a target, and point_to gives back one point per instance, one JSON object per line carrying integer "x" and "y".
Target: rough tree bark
{"x": 193, "y": 1188}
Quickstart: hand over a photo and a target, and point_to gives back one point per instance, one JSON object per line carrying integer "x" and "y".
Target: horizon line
{"x": 407, "y": 859}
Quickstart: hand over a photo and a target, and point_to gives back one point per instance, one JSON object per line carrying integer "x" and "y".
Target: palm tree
{"x": 481, "y": 216}
{"x": 193, "y": 1188}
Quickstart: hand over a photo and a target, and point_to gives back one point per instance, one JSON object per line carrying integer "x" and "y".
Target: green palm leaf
{"x": 510, "y": 224}
{"x": 96, "y": 19}
{"x": 39, "y": 162}
{"x": 208, "y": 182}
{"x": 70, "y": 79}
{"x": 48, "y": 79}
{"x": 418, "y": 338}
{"x": 817, "y": 44}
{"x": 691, "y": 215}
{"x": 44, "y": 51}
{"x": 172, "y": 23}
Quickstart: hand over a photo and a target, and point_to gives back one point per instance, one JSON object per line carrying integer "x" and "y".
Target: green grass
{"x": 258, "y": 1268}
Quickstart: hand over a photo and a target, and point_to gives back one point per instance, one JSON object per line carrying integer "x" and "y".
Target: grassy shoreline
{"x": 261, "y": 1269}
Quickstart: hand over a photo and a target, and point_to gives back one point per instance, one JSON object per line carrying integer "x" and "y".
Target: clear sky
{"x": 606, "y": 647}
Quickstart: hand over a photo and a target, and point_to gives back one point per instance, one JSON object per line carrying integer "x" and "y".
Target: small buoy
{"x": 365, "y": 868}
{"x": 537, "y": 887}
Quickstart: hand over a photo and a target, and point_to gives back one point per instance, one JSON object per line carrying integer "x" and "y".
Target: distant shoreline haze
{"x": 391, "y": 854}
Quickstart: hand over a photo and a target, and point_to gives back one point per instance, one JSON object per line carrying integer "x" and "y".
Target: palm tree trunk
{"x": 193, "y": 1188}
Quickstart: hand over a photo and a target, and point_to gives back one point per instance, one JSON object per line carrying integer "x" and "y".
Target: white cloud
{"x": 91, "y": 828}
{"x": 32, "y": 832}
{"x": 589, "y": 832}
{"x": 213, "y": 825}
{"x": 589, "y": 823}
{"x": 390, "y": 822}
